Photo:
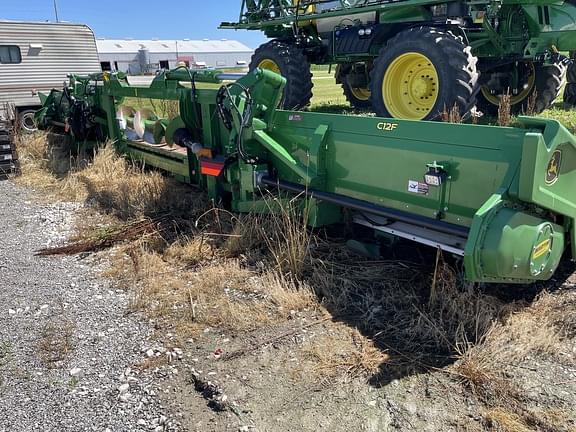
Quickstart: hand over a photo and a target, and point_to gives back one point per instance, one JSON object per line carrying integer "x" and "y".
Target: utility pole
{"x": 56, "y": 10}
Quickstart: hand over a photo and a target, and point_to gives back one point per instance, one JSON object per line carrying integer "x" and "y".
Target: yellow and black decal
{"x": 541, "y": 248}
{"x": 553, "y": 167}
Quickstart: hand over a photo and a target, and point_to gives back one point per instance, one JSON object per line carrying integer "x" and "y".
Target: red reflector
{"x": 211, "y": 167}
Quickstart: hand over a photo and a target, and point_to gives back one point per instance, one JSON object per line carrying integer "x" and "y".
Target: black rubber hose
{"x": 356, "y": 204}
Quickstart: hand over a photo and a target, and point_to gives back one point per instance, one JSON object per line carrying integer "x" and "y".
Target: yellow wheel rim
{"x": 362, "y": 94}
{"x": 270, "y": 65}
{"x": 410, "y": 86}
{"x": 514, "y": 99}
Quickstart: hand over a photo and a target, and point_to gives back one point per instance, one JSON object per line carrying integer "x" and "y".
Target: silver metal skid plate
{"x": 449, "y": 243}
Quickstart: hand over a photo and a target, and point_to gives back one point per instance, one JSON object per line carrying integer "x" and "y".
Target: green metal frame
{"x": 509, "y": 191}
{"x": 531, "y": 30}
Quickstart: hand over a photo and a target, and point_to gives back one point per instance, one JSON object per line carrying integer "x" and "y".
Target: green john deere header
{"x": 503, "y": 198}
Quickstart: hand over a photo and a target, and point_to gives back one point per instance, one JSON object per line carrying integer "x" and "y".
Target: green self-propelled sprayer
{"x": 503, "y": 198}
{"x": 414, "y": 59}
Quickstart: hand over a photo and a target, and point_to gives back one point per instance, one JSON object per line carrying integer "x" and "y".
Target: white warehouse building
{"x": 146, "y": 56}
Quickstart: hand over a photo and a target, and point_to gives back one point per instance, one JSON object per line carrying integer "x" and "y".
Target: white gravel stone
{"x": 124, "y": 388}
{"x": 60, "y": 291}
{"x": 75, "y": 372}
{"x": 125, "y": 397}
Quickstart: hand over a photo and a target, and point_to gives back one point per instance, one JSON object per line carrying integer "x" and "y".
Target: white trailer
{"x": 36, "y": 57}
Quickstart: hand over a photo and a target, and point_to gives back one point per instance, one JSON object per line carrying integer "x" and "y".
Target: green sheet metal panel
{"x": 376, "y": 160}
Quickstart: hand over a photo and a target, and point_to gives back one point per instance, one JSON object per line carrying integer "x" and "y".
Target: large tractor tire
{"x": 537, "y": 88}
{"x": 290, "y": 62}
{"x": 570, "y": 89}
{"x": 357, "y": 95}
{"x": 421, "y": 73}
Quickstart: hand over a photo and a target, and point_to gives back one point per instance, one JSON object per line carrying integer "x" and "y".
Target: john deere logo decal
{"x": 553, "y": 168}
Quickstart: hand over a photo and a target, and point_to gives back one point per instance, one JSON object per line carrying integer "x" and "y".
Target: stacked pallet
{"x": 8, "y": 154}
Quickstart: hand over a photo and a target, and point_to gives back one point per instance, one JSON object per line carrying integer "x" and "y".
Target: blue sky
{"x": 140, "y": 19}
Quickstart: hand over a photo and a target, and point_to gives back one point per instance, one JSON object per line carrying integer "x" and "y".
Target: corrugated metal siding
{"x": 215, "y": 53}
{"x": 66, "y": 48}
{"x": 119, "y": 46}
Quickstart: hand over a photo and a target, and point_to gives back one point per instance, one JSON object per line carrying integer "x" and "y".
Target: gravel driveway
{"x": 66, "y": 341}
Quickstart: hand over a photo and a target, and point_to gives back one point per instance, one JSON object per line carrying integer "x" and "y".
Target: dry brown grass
{"x": 530, "y": 108}
{"x": 100, "y": 238}
{"x": 504, "y": 420}
{"x": 152, "y": 363}
{"x": 239, "y": 273}
{"x": 345, "y": 355}
{"x": 530, "y": 330}
{"x": 55, "y": 341}
{"x": 110, "y": 182}
{"x": 504, "y": 110}
{"x": 421, "y": 322}
{"x": 226, "y": 235}
{"x": 537, "y": 330}
{"x": 451, "y": 115}
{"x": 220, "y": 294}
{"x": 34, "y": 162}
{"x": 287, "y": 236}
{"x": 191, "y": 250}
{"x": 248, "y": 234}
{"x": 116, "y": 185}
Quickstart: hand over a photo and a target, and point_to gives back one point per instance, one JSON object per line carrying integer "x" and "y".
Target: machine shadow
{"x": 427, "y": 317}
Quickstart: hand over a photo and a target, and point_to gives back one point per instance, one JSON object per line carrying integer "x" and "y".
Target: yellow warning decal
{"x": 541, "y": 249}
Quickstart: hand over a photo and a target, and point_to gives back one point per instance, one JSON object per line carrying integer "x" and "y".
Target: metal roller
{"x": 144, "y": 123}
{"x": 173, "y": 126}
{"x": 125, "y": 118}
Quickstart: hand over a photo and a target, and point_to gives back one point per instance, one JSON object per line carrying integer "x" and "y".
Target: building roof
{"x": 110, "y": 46}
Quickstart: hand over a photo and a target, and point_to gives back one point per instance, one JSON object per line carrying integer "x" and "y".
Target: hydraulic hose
{"x": 360, "y": 205}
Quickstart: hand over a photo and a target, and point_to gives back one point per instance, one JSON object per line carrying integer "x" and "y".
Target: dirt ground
{"x": 275, "y": 387}
{"x": 279, "y": 329}
{"x": 302, "y": 375}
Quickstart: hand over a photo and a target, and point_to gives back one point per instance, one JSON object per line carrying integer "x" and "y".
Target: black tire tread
{"x": 548, "y": 86}
{"x": 296, "y": 70}
{"x": 341, "y": 73}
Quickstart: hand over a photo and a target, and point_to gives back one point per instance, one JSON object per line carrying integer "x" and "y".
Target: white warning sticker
{"x": 418, "y": 187}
